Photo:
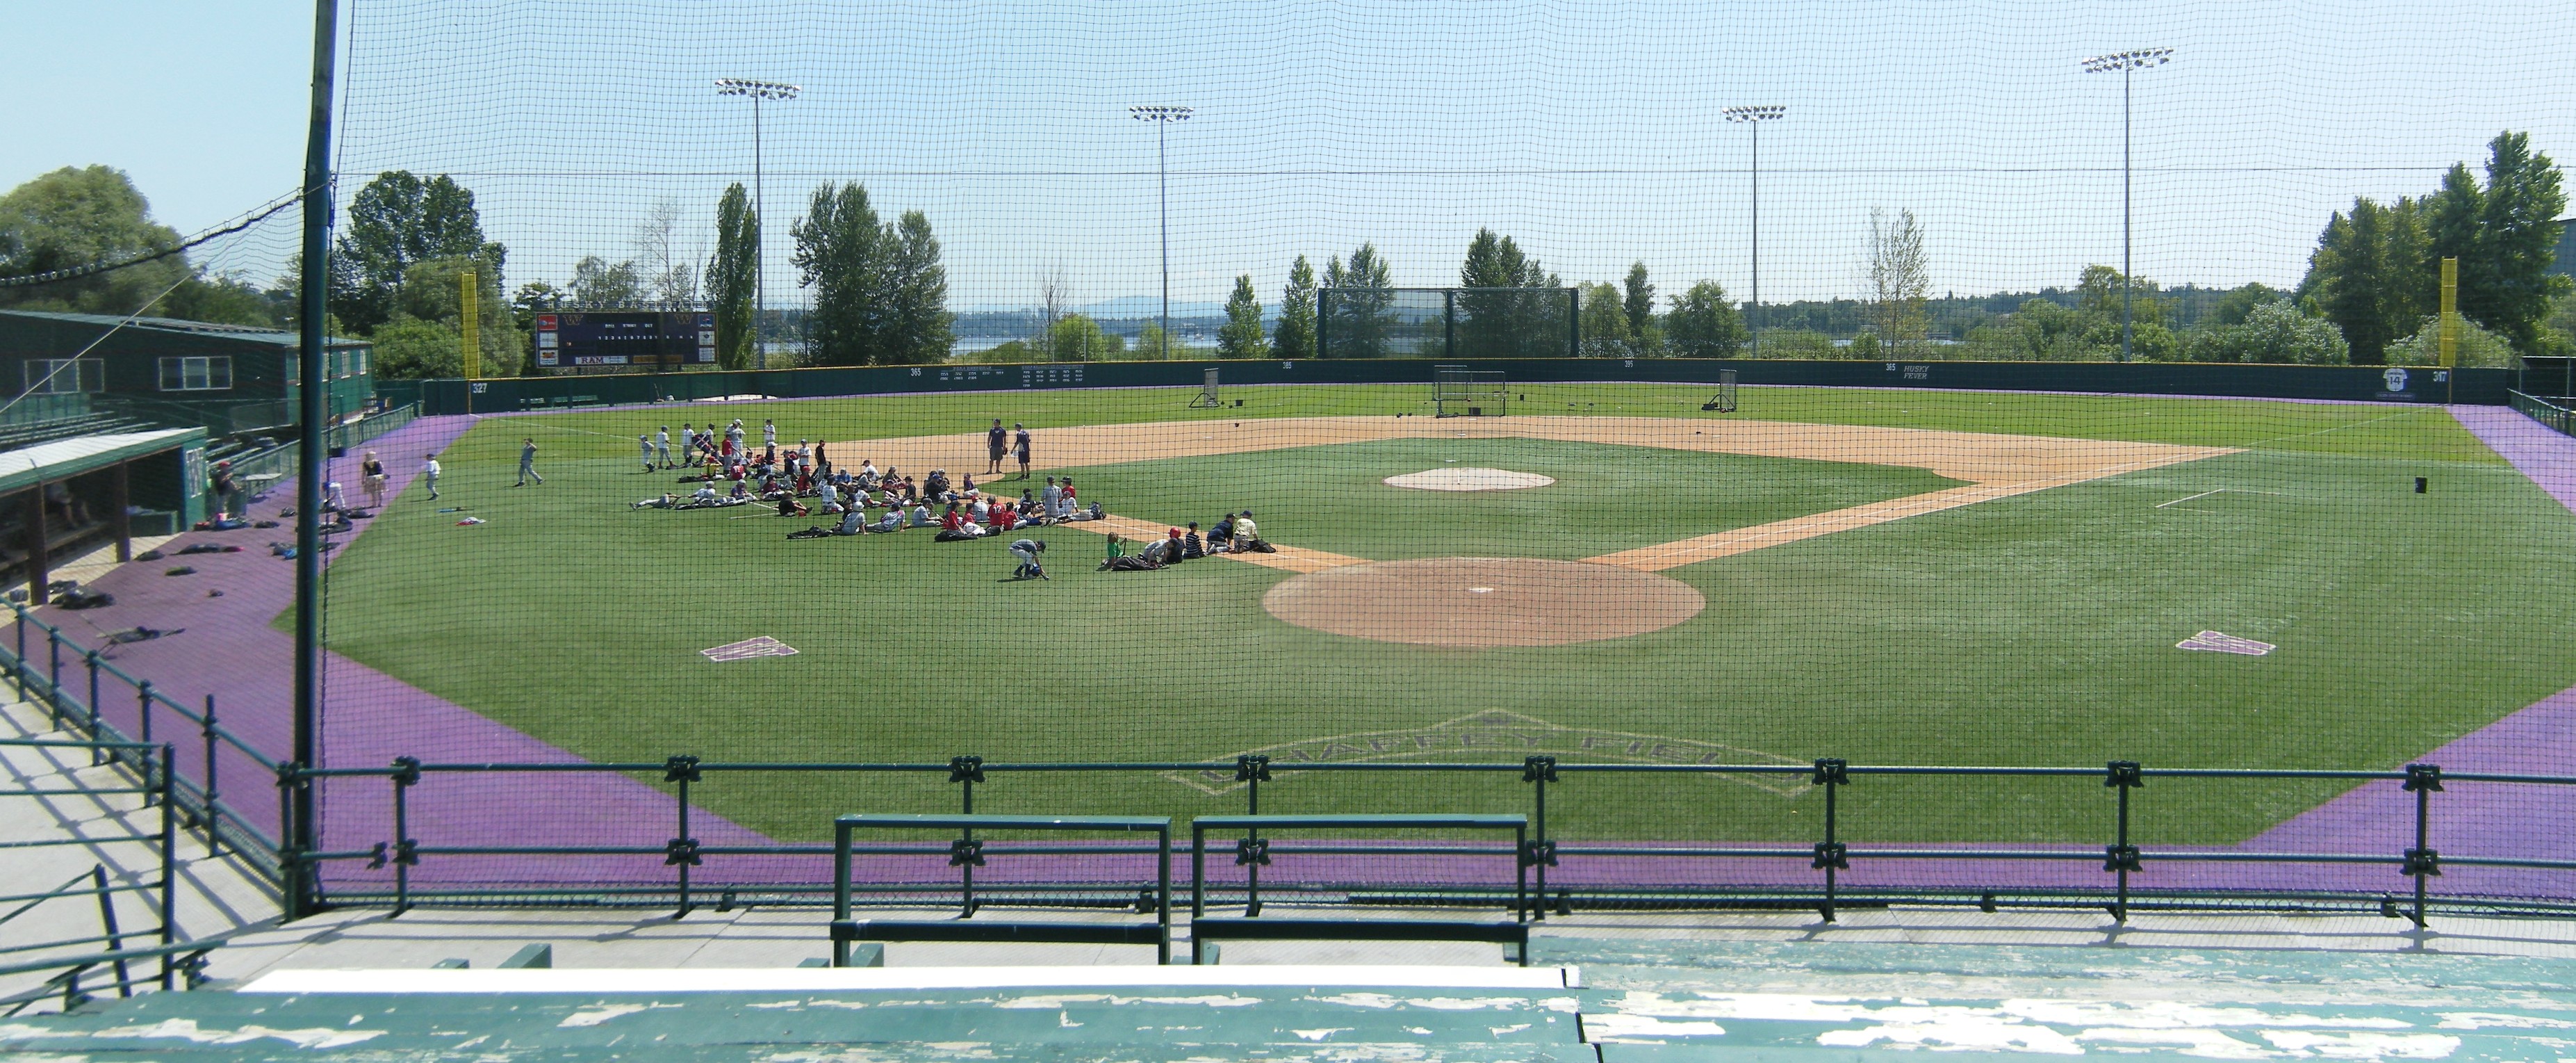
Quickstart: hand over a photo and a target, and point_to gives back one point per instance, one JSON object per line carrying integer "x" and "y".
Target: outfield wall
{"x": 2484, "y": 387}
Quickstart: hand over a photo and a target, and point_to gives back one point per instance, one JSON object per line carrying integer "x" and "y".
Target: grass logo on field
{"x": 1496, "y": 734}
{"x": 747, "y": 649}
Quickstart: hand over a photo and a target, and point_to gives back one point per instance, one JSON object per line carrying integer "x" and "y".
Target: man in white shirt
{"x": 769, "y": 433}
{"x": 662, "y": 443}
{"x": 921, "y": 517}
{"x": 429, "y": 475}
{"x": 1245, "y": 532}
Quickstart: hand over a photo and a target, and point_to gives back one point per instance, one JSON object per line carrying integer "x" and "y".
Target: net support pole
{"x": 300, "y": 897}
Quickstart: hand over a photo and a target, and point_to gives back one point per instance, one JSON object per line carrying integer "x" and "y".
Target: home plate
{"x": 2214, "y": 642}
{"x": 746, "y": 649}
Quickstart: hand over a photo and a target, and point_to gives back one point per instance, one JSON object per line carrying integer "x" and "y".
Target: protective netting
{"x": 643, "y": 639}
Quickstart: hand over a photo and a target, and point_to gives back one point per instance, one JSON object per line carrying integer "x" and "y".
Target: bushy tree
{"x": 1241, "y": 336}
{"x": 1296, "y": 335}
{"x": 1077, "y": 338}
{"x": 2274, "y": 332}
{"x": 880, "y": 291}
{"x": 92, "y": 216}
{"x": 2376, "y": 271}
{"x": 598, "y": 284}
{"x": 1638, "y": 300}
{"x": 408, "y": 348}
{"x": 1605, "y": 322}
{"x": 2472, "y": 347}
{"x": 1703, "y": 323}
{"x": 731, "y": 275}
{"x": 395, "y": 221}
{"x": 2373, "y": 274}
{"x": 1796, "y": 343}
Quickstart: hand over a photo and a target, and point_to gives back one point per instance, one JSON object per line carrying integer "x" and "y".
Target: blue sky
{"x": 1589, "y": 131}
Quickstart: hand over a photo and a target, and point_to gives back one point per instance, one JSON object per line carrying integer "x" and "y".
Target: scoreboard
{"x": 653, "y": 339}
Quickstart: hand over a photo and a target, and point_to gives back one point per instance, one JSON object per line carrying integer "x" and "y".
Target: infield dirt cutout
{"x": 1479, "y": 602}
{"x": 1597, "y": 598}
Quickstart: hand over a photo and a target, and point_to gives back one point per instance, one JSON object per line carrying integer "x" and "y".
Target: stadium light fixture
{"x": 758, "y": 92}
{"x": 1163, "y": 117}
{"x": 1754, "y": 117}
{"x": 2126, "y": 63}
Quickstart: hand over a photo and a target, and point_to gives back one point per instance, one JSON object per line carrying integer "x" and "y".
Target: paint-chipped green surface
{"x": 1646, "y": 999}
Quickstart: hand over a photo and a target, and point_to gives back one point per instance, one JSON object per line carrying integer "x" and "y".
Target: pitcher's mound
{"x": 1483, "y": 601}
{"x": 1469, "y": 479}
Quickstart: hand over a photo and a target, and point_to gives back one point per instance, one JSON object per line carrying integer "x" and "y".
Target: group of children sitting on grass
{"x": 788, "y": 480}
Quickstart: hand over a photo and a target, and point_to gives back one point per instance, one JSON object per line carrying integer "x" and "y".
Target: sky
{"x": 1591, "y": 132}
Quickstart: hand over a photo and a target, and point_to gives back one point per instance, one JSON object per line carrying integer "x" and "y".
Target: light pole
{"x": 1163, "y": 117}
{"x": 758, "y": 91}
{"x": 1754, "y": 117}
{"x": 2126, "y": 63}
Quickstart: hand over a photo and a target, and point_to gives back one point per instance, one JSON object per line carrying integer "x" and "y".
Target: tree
{"x": 2473, "y": 347}
{"x": 1703, "y": 323}
{"x": 2098, "y": 298}
{"x": 408, "y": 348}
{"x": 838, "y": 250}
{"x": 1900, "y": 282}
{"x": 432, "y": 292}
{"x": 1052, "y": 296}
{"x": 669, "y": 278}
{"x": 395, "y": 221}
{"x": 1605, "y": 322}
{"x": 1639, "y": 301}
{"x": 94, "y": 216}
{"x": 1241, "y": 336}
{"x": 2271, "y": 332}
{"x": 1296, "y": 336}
{"x": 922, "y": 328}
{"x": 1495, "y": 321}
{"x": 1154, "y": 345}
{"x": 598, "y": 284}
{"x": 2505, "y": 283}
{"x": 1356, "y": 323}
{"x": 1077, "y": 338}
{"x": 731, "y": 274}
{"x": 2372, "y": 275}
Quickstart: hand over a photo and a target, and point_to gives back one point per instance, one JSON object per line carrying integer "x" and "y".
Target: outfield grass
{"x": 2031, "y": 630}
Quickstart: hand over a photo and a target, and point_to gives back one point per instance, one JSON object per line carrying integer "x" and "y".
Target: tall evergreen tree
{"x": 1241, "y": 336}
{"x": 1296, "y": 336}
{"x": 840, "y": 254}
{"x": 730, "y": 274}
{"x": 1640, "y": 301}
{"x": 1498, "y": 323}
{"x": 923, "y": 330}
{"x": 2505, "y": 283}
{"x": 1359, "y": 315}
{"x": 2373, "y": 276}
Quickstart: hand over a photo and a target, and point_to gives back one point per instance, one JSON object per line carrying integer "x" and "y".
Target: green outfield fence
{"x": 553, "y": 857}
{"x": 2486, "y": 387}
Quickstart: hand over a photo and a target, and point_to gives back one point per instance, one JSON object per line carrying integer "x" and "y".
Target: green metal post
{"x": 313, "y": 347}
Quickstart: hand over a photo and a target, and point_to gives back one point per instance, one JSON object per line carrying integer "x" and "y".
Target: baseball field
{"x": 1608, "y": 573}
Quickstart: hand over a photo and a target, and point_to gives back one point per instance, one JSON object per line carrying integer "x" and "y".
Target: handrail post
{"x": 169, "y": 855}
{"x": 143, "y": 715}
{"x": 966, "y": 772}
{"x": 2122, "y": 857}
{"x": 54, "y": 667}
{"x": 18, "y": 659}
{"x": 1163, "y": 880}
{"x": 1252, "y": 769}
{"x": 214, "y": 825}
{"x": 1538, "y": 771}
{"x": 1832, "y": 773}
{"x": 840, "y": 891}
{"x": 96, "y": 756}
{"x": 107, "y": 920}
{"x": 682, "y": 852}
{"x": 1198, "y": 880}
{"x": 406, "y": 849}
{"x": 2422, "y": 861}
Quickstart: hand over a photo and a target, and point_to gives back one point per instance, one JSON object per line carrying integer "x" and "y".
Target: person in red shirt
{"x": 952, "y": 520}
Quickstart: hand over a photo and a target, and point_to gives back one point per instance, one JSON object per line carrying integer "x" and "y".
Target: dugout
{"x": 230, "y": 379}
{"x": 61, "y": 498}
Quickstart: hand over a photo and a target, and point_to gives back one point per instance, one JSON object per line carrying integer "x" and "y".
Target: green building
{"x": 231, "y": 380}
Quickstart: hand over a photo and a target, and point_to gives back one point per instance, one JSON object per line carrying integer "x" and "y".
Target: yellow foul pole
{"x": 470, "y": 315}
{"x": 2450, "y": 324}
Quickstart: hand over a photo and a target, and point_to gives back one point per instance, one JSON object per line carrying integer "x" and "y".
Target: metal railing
{"x": 73, "y": 683}
{"x": 281, "y": 460}
{"x": 178, "y": 961}
{"x": 2553, "y": 411}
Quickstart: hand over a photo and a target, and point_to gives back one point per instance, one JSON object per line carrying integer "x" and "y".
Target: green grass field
{"x": 2037, "y": 629}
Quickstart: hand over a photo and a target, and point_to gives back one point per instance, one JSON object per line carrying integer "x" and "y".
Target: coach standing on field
{"x": 996, "y": 443}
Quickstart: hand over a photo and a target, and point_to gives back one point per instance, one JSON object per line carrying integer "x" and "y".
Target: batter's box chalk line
{"x": 764, "y": 646}
{"x": 2217, "y": 642}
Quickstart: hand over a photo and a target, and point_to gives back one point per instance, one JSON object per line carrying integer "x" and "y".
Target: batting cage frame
{"x": 1724, "y": 400}
{"x": 1459, "y": 391}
